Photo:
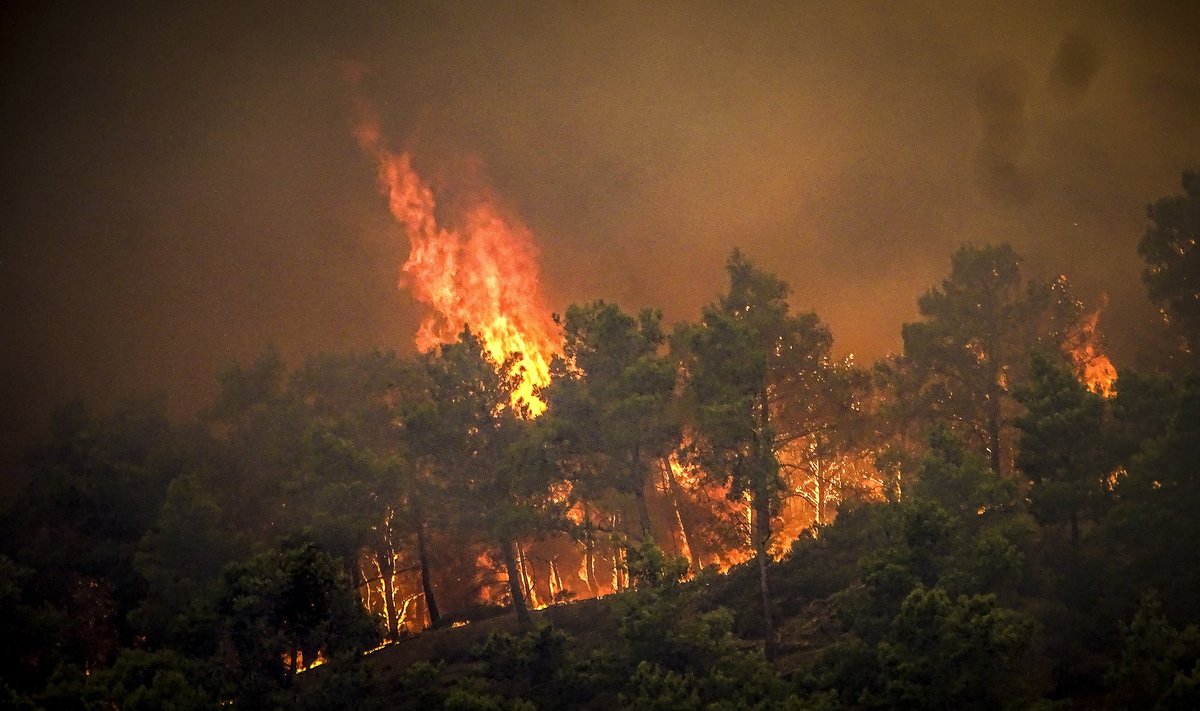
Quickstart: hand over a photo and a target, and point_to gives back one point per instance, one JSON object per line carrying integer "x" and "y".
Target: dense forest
{"x": 718, "y": 514}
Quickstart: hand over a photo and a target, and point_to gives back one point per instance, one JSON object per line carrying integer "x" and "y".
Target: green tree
{"x": 490, "y": 456}
{"x": 1063, "y": 444}
{"x": 944, "y": 653}
{"x": 977, "y": 329}
{"x": 611, "y": 400}
{"x": 828, "y": 433}
{"x": 745, "y": 366}
{"x": 95, "y": 491}
{"x": 370, "y": 494}
{"x": 280, "y": 610}
{"x": 182, "y": 554}
{"x": 1152, "y": 525}
{"x": 1159, "y": 665}
{"x": 323, "y": 452}
{"x": 255, "y": 446}
{"x": 1172, "y": 256}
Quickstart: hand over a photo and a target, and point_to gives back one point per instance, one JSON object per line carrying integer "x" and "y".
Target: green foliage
{"x": 138, "y": 681}
{"x": 650, "y": 567}
{"x": 96, "y": 488}
{"x": 1172, "y": 274}
{"x": 182, "y": 554}
{"x": 149, "y": 681}
{"x": 959, "y": 480}
{"x": 942, "y": 653}
{"x": 1152, "y": 527}
{"x": 419, "y": 687}
{"x": 969, "y": 350}
{"x": 345, "y": 685}
{"x": 464, "y": 698}
{"x": 1159, "y": 662}
{"x": 542, "y": 666}
{"x": 652, "y": 688}
{"x": 1063, "y": 445}
{"x": 476, "y": 441}
{"x": 747, "y": 364}
{"x": 283, "y": 605}
{"x": 747, "y": 369}
{"x": 612, "y": 402}
{"x": 150, "y": 565}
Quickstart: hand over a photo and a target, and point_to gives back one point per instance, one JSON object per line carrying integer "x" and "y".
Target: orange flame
{"x": 483, "y": 274}
{"x": 1092, "y": 365}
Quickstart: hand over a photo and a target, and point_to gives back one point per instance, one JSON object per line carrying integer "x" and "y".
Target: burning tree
{"x": 493, "y": 469}
{"x": 611, "y": 399}
{"x": 743, "y": 367}
{"x": 971, "y": 346}
{"x": 480, "y": 270}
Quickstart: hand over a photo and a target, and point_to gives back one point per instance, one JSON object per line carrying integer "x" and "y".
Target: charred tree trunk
{"x": 514, "y": 585}
{"x": 762, "y": 534}
{"x": 684, "y": 532}
{"x": 993, "y": 427}
{"x": 431, "y": 607}
{"x": 637, "y": 483}
{"x": 819, "y": 518}
{"x": 589, "y": 553}
{"x": 762, "y": 519}
{"x": 528, "y": 581}
{"x": 639, "y": 497}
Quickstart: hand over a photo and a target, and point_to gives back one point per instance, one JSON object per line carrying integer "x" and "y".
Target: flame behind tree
{"x": 482, "y": 273}
{"x": 1084, "y": 346}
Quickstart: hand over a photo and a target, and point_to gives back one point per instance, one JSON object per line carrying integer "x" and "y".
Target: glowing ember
{"x": 482, "y": 273}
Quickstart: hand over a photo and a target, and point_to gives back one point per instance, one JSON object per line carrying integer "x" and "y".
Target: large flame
{"x": 482, "y": 273}
{"x": 1092, "y": 365}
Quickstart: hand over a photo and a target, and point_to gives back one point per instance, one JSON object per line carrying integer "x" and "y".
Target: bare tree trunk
{"x": 528, "y": 579}
{"x": 762, "y": 534}
{"x": 639, "y": 497}
{"x": 673, "y": 485}
{"x": 589, "y": 553}
{"x": 431, "y": 607}
{"x": 387, "y": 567}
{"x": 514, "y": 585}
{"x": 637, "y": 482}
{"x": 762, "y": 520}
{"x": 993, "y": 426}
{"x": 821, "y": 494}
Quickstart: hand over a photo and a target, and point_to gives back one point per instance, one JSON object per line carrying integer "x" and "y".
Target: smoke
{"x": 1076, "y": 64}
{"x": 180, "y": 187}
{"x": 1000, "y": 100}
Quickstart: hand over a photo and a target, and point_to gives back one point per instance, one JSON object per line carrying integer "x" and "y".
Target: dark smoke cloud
{"x": 1076, "y": 64}
{"x": 1001, "y": 102}
{"x": 180, "y": 186}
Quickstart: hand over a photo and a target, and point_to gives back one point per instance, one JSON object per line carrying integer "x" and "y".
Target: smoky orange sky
{"x": 181, "y": 187}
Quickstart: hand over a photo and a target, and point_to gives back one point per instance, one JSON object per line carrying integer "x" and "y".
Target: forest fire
{"x": 477, "y": 267}
{"x": 482, "y": 272}
{"x": 1092, "y": 365}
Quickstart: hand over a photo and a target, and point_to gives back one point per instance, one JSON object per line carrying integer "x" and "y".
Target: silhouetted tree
{"x": 971, "y": 347}
{"x": 611, "y": 399}
{"x": 1172, "y": 255}
{"x": 281, "y": 609}
{"x": 489, "y": 456}
{"x": 1063, "y": 446}
{"x": 744, "y": 366}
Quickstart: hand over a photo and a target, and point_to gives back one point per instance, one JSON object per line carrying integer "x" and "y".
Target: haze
{"x": 181, "y": 187}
